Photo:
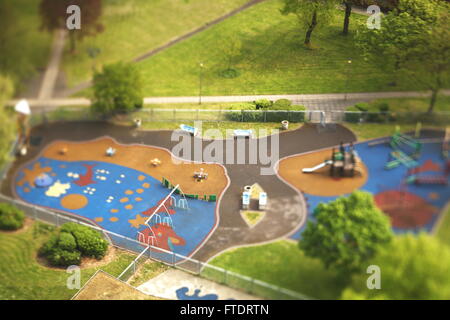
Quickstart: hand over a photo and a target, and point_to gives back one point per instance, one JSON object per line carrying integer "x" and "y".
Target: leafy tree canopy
{"x": 346, "y": 232}
{"x": 118, "y": 89}
{"x": 411, "y": 267}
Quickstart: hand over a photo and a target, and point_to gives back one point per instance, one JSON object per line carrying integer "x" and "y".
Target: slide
{"x": 319, "y": 166}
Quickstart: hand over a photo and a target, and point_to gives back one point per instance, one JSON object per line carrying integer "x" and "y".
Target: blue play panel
{"x": 380, "y": 180}
{"x": 120, "y": 200}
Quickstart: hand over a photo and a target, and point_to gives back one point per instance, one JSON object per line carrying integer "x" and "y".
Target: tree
{"x": 310, "y": 13}
{"x": 346, "y": 232}
{"x": 412, "y": 43}
{"x": 14, "y": 60}
{"x": 429, "y": 62}
{"x": 117, "y": 89}
{"x": 411, "y": 267}
{"x": 54, "y": 15}
{"x": 7, "y": 127}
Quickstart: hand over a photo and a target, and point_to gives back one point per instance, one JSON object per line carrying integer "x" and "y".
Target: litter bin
{"x": 285, "y": 124}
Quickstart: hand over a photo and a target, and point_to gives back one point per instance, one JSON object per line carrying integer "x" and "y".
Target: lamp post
{"x": 200, "y": 83}
{"x": 349, "y": 62}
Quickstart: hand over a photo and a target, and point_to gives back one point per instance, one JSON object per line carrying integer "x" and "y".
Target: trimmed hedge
{"x": 71, "y": 243}
{"x": 279, "y": 111}
{"x": 11, "y": 218}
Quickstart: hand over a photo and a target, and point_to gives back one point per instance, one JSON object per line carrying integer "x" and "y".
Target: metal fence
{"x": 231, "y": 279}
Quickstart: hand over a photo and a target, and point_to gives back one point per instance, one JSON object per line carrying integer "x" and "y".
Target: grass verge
{"x": 23, "y": 278}
{"x": 283, "y": 264}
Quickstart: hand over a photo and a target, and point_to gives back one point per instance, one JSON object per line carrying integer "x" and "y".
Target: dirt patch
{"x": 319, "y": 183}
{"x": 138, "y": 157}
{"x": 28, "y": 223}
{"x": 103, "y": 286}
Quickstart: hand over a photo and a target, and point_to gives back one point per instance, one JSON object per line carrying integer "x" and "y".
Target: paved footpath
{"x": 178, "y": 285}
{"x": 314, "y": 100}
{"x": 51, "y": 74}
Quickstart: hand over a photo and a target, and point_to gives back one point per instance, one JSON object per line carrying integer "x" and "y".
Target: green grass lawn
{"x": 409, "y": 105}
{"x": 133, "y": 27}
{"x": 369, "y": 131}
{"x": 22, "y": 277}
{"x": 28, "y": 47}
{"x": 282, "y": 263}
{"x": 273, "y": 59}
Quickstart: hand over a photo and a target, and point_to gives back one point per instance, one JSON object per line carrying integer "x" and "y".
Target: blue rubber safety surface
{"x": 381, "y": 179}
{"x": 116, "y": 198}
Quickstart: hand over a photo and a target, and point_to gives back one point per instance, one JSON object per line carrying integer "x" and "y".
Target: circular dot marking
{"x": 129, "y": 192}
{"x": 146, "y": 185}
{"x": 98, "y": 219}
{"x": 113, "y": 219}
{"x": 74, "y": 202}
{"x": 138, "y": 199}
{"x": 123, "y": 200}
{"x": 140, "y": 191}
{"x": 129, "y": 207}
{"x": 114, "y": 211}
{"x": 141, "y": 178}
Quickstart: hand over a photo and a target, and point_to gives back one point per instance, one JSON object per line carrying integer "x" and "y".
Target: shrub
{"x": 11, "y": 218}
{"x": 89, "y": 242}
{"x": 263, "y": 104}
{"x": 72, "y": 242}
{"x": 64, "y": 258}
{"x": 282, "y": 104}
{"x": 67, "y": 242}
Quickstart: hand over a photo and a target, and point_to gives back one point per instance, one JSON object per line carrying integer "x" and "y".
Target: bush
{"x": 282, "y": 104}
{"x": 64, "y": 258}
{"x": 67, "y": 242}
{"x": 263, "y": 104}
{"x": 11, "y": 218}
{"x": 72, "y": 242}
{"x": 89, "y": 242}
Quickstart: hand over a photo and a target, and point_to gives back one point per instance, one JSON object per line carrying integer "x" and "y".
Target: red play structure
{"x": 417, "y": 176}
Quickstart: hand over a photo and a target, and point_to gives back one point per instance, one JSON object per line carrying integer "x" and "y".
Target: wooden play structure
{"x": 343, "y": 162}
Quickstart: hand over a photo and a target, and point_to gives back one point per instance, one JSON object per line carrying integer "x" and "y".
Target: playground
{"x": 123, "y": 193}
{"x": 123, "y": 182}
{"x": 407, "y": 177}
